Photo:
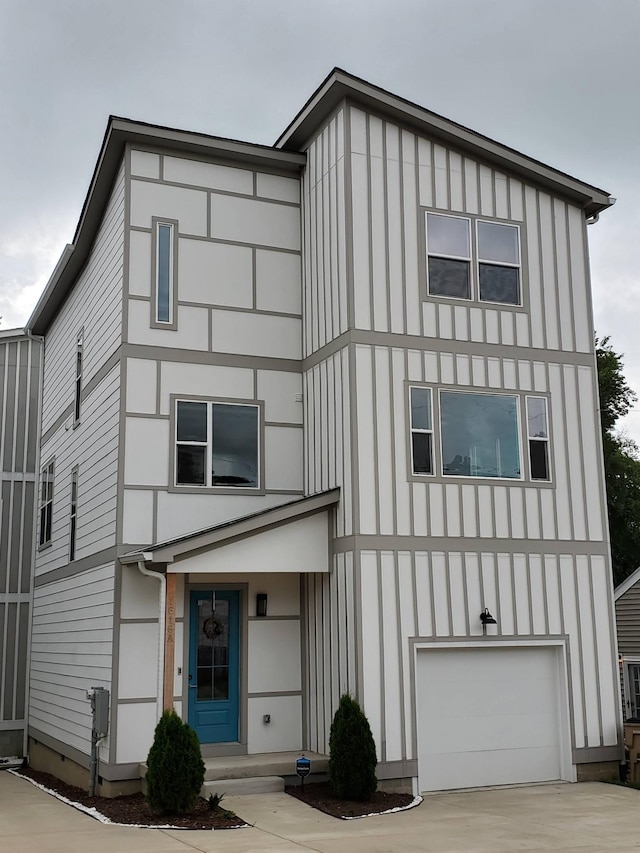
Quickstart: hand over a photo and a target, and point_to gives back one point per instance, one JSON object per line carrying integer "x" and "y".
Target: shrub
{"x": 175, "y": 769}
{"x": 352, "y": 753}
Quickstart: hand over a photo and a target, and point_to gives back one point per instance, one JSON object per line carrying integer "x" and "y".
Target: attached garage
{"x": 491, "y": 716}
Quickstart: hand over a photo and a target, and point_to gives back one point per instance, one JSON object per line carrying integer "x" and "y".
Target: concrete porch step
{"x": 244, "y": 785}
{"x": 261, "y": 764}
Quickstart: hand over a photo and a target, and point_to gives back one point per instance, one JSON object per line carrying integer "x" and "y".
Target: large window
{"x": 46, "y": 504}
{"x": 479, "y": 435}
{"x": 473, "y": 259}
{"x": 217, "y": 444}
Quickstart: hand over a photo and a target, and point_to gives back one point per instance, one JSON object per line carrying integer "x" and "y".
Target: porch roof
{"x": 229, "y": 531}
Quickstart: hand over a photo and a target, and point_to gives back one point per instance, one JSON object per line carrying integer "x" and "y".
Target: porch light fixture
{"x": 261, "y": 604}
{"x": 487, "y": 619}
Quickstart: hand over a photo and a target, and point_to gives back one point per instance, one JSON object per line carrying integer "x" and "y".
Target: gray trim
{"x": 403, "y": 769}
{"x": 448, "y": 345}
{"x": 340, "y": 85}
{"x": 234, "y": 309}
{"x": 263, "y": 247}
{"x": 100, "y": 558}
{"x": 490, "y": 545}
{"x": 115, "y": 661}
{"x": 131, "y": 620}
{"x": 87, "y": 389}
{"x": 287, "y": 365}
{"x": 141, "y": 700}
{"x": 109, "y": 771}
{"x": 216, "y": 490}
{"x": 592, "y": 754}
{"x": 22, "y": 477}
{"x": 213, "y": 191}
{"x": 274, "y": 619}
{"x": 274, "y": 695}
{"x": 154, "y": 323}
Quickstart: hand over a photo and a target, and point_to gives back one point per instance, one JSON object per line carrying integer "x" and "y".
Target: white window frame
{"x": 470, "y": 477}
{"x": 420, "y": 430}
{"x": 475, "y": 260}
{"x": 208, "y": 485}
{"x": 170, "y": 321}
{"x": 77, "y": 398}
{"x": 47, "y": 475}
{"x": 627, "y": 663}
{"x": 73, "y": 515}
{"x": 531, "y": 438}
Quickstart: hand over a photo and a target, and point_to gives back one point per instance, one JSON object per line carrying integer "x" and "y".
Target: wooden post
{"x": 169, "y": 640}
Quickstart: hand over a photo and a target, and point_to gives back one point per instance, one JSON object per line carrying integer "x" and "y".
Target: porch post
{"x": 169, "y": 640}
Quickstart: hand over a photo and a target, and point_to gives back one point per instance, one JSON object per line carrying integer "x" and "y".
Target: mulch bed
{"x": 318, "y": 795}
{"x": 134, "y": 809}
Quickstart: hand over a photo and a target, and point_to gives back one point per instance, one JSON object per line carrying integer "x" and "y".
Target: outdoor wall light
{"x": 261, "y": 604}
{"x": 487, "y": 619}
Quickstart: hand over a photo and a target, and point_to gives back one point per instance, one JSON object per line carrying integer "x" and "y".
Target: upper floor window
{"x": 473, "y": 259}
{"x": 78, "y": 382}
{"x": 73, "y": 514}
{"x": 421, "y": 431}
{"x": 46, "y": 504}
{"x": 538, "y": 436}
{"x": 164, "y": 262}
{"x": 217, "y": 444}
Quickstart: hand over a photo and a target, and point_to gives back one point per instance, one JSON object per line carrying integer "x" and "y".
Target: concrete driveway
{"x": 590, "y": 818}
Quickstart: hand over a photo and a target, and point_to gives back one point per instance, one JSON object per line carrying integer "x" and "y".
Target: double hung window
{"x": 46, "y": 504}
{"x": 538, "y": 436}
{"x": 473, "y": 259}
{"x": 217, "y": 444}
{"x": 421, "y": 431}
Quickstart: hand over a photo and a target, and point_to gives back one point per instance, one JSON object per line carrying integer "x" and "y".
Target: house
{"x": 20, "y": 362}
{"x": 627, "y": 608}
{"x": 322, "y": 417}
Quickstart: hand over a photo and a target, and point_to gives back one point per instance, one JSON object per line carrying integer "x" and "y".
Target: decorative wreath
{"x": 212, "y": 628}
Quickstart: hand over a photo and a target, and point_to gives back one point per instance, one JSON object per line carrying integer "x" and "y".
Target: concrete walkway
{"x": 583, "y": 818}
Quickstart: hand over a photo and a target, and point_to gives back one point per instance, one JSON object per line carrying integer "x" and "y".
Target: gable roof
{"x": 237, "y": 528}
{"x": 626, "y": 584}
{"x": 341, "y": 85}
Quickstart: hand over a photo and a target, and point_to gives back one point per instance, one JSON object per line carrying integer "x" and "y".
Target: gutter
{"x": 161, "y": 578}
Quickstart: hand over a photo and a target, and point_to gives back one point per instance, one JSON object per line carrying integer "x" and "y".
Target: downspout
{"x": 161, "y": 623}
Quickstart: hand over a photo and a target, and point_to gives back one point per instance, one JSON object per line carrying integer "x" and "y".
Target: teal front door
{"x": 214, "y": 653}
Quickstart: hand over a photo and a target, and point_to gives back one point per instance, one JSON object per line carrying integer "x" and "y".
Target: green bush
{"x": 175, "y": 769}
{"x": 352, "y": 753}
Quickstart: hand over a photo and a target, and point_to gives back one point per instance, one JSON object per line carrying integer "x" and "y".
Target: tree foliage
{"x": 175, "y": 769}
{"x": 621, "y": 463}
{"x": 352, "y": 753}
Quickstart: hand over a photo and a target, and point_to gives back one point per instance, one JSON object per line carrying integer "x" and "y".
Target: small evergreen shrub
{"x": 352, "y": 753}
{"x": 175, "y": 769}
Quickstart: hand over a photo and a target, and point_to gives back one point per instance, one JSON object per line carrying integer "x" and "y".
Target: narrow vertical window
{"x": 538, "y": 435}
{"x": 421, "y": 431}
{"x": 73, "y": 514}
{"x": 164, "y": 272}
{"x": 46, "y": 504}
{"x": 78, "y": 383}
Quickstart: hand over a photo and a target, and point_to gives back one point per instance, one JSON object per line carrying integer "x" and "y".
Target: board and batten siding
{"x": 71, "y": 652}
{"x": 628, "y": 622}
{"x": 20, "y": 363}
{"x": 92, "y": 447}
{"x": 94, "y": 306}
{"x": 395, "y": 176}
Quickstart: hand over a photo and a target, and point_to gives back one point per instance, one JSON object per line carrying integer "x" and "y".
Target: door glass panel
{"x": 213, "y": 649}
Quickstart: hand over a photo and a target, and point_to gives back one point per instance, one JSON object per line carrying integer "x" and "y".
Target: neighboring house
{"x": 627, "y": 604}
{"x": 308, "y": 411}
{"x": 19, "y": 406}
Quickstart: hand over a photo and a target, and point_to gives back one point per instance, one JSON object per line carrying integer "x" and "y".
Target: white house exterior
{"x": 354, "y": 373}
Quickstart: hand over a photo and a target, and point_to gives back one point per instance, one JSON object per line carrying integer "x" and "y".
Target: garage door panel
{"x": 487, "y": 716}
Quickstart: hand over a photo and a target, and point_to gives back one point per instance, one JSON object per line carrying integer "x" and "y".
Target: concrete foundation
{"x": 599, "y": 771}
{"x": 47, "y": 760}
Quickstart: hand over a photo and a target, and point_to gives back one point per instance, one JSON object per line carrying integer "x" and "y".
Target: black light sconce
{"x": 261, "y": 604}
{"x": 487, "y": 619}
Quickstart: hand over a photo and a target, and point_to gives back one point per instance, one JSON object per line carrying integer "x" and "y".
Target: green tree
{"x": 621, "y": 463}
{"x": 175, "y": 769}
{"x": 352, "y": 753}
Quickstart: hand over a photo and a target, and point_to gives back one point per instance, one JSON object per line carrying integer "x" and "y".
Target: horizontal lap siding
{"x": 440, "y": 595}
{"x": 93, "y": 448}
{"x": 628, "y": 622}
{"x": 449, "y": 506}
{"x": 95, "y": 304}
{"x": 395, "y": 175}
{"x": 71, "y": 652}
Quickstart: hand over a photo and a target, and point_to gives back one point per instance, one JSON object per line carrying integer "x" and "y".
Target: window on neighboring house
{"x": 466, "y": 263}
{"x": 217, "y": 444}
{"x": 421, "y": 431}
{"x": 479, "y": 435}
{"x": 78, "y": 383}
{"x": 164, "y": 273}
{"x": 538, "y": 435}
{"x": 46, "y": 504}
{"x": 73, "y": 514}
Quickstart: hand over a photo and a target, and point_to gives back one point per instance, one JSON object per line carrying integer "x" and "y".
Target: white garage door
{"x": 487, "y": 717}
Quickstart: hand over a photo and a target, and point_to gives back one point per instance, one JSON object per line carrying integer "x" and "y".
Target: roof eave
{"x": 340, "y": 86}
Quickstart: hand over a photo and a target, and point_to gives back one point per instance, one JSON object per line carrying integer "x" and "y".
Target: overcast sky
{"x": 556, "y": 79}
